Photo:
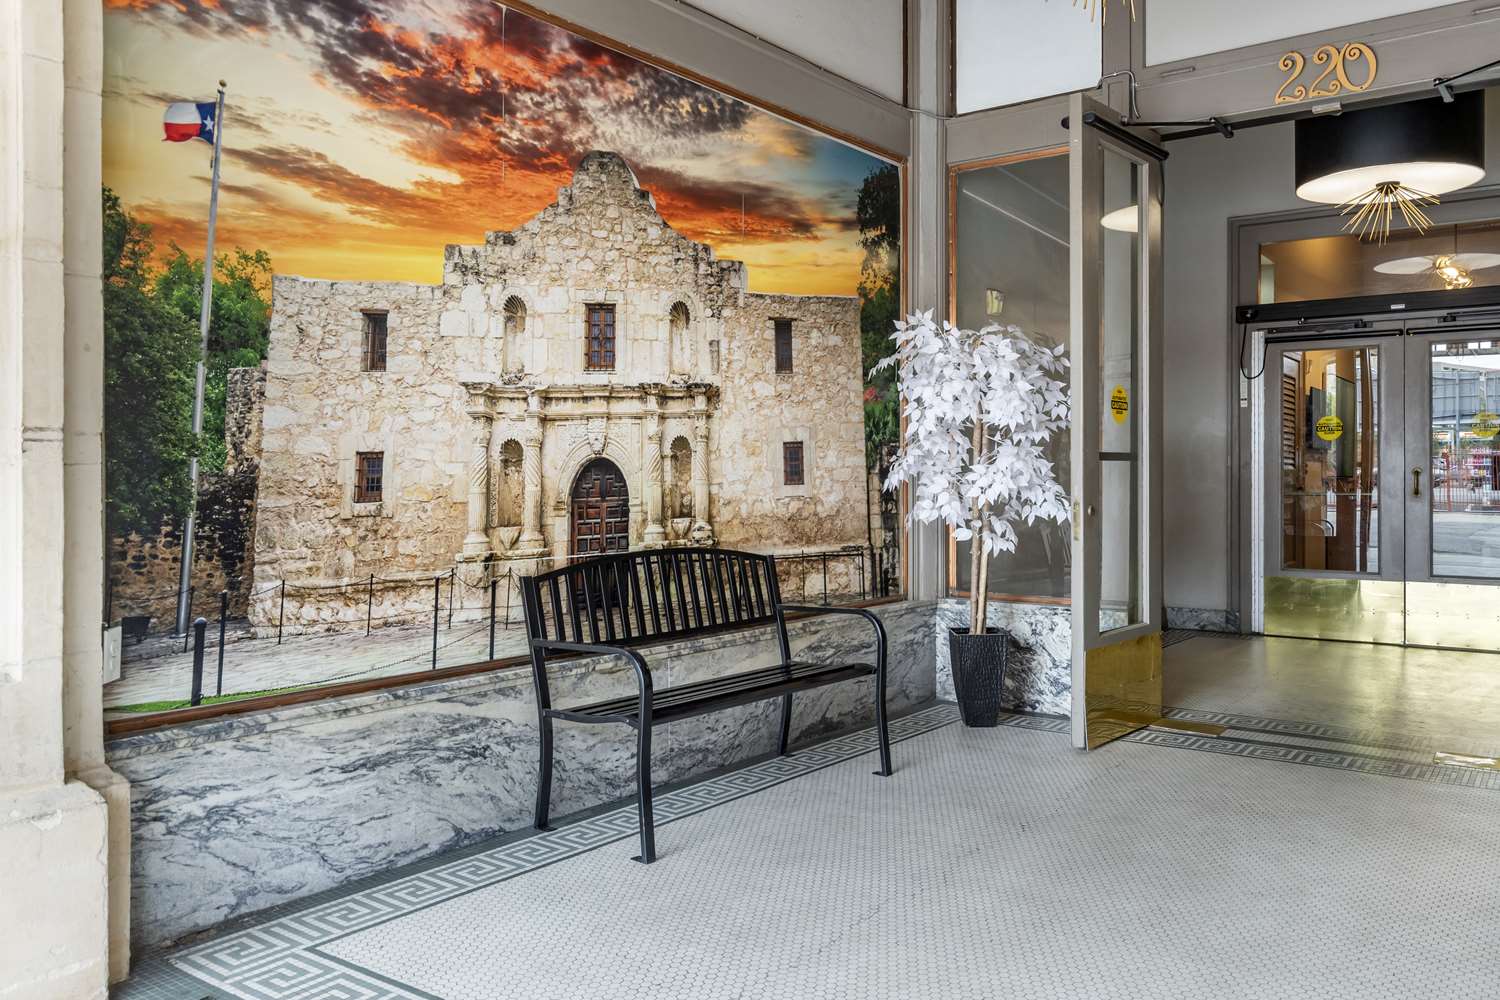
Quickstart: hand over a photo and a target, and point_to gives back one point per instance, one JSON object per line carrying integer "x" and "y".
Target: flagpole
{"x": 185, "y": 574}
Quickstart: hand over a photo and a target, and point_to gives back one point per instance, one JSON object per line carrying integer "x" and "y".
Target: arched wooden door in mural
{"x": 600, "y": 510}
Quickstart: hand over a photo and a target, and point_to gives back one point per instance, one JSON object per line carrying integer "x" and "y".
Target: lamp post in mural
{"x": 183, "y": 121}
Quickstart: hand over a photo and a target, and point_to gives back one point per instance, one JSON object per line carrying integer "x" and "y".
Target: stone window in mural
{"x": 599, "y": 346}
{"x": 783, "y": 346}
{"x": 374, "y": 341}
{"x": 508, "y": 495}
{"x": 586, "y": 272}
{"x": 369, "y": 477}
{"x": 513, "y": 331}
{"x": 792, "y": 473}
{"x": 681, "y": 478}
{"x": 679, "y": 343}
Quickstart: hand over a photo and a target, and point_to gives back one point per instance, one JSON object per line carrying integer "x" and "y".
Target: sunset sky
{"x": 361, "y": 136}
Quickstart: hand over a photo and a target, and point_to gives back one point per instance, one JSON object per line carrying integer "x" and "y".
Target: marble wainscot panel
{"x": 1039, "y": 669}
{"x": 236, "y": 815}
{"x": 1204, "y": 619}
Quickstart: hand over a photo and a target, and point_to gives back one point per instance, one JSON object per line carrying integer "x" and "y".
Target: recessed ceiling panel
{"x": 859, "y": 40}
{"x": 1185, "y": 29}
{"x": 1009, "y": 51}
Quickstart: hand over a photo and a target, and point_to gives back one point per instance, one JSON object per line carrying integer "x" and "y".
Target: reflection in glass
{"x": 1466, "y": 255}
{"x": 1329, "y": 415}
{"x": 1119, "y": 412}
{"x": 1466, "y": 458}
{"x": 1010, "y": 266}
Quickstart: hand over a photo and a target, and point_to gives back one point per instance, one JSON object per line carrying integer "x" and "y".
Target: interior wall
{"x": 1210, "y": 180}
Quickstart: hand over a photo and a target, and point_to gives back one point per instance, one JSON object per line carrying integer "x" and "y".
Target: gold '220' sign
{"x": 1334, "y": 79}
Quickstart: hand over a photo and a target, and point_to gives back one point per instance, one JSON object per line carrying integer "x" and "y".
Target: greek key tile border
{"x": 280, "y": 958}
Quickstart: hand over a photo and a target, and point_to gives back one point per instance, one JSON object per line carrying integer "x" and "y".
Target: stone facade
{"x": 487, "y": 411}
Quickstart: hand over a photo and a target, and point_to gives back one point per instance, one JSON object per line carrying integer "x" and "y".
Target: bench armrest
{"x": 818, "y": 609}
{"x": 642, "y": 674}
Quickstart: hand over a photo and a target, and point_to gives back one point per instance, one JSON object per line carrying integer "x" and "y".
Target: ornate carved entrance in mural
{"x": 600, "y": 510}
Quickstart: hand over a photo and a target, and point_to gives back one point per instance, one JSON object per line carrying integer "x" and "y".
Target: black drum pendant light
{"x": 1396, "y": 157}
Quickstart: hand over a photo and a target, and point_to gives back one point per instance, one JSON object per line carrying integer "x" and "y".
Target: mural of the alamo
{"x": 591, "y": 381}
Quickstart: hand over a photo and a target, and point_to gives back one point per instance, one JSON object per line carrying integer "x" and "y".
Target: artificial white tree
{"x": 980, "y": 407}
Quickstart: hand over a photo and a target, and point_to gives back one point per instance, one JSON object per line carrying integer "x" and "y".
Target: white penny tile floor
{"x": 995, "y": 863}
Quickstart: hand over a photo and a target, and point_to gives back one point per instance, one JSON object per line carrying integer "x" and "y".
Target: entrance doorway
{"x": 1380, "y": 479}
{"x": 600, "y": 510}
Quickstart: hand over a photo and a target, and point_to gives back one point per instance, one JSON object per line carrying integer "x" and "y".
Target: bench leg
{"x": 885, "y": 737}
{"x": 544, "y": 777}
{"x": 643, "y": 794}
{"x": 880, "y": 714}
{"x": 786, "y": 724}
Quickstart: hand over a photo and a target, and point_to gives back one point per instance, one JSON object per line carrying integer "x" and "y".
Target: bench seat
{"x": 683, "y": 701}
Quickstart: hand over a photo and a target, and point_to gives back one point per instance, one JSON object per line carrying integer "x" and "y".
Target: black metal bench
{"x": 611, "y": 604}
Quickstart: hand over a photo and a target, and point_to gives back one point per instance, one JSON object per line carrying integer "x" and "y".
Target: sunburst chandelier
{"x": 1392, "y": 161}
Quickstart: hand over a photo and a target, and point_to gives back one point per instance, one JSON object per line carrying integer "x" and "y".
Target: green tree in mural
{"x": 238, "y": 327}
{"x": 150, "y": 354}
{"x": 878, "y": 212}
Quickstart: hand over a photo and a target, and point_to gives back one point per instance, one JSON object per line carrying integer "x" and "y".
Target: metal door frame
{"x": 1386, "y": 582}
{"x": 1136, "y": 648}
{"x": 1444, "y": 612}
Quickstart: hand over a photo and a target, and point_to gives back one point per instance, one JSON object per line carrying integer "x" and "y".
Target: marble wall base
{"x": 236, "y": 815}
{"x": 1039, "y": 669}
{"x": 1204, "y": 619}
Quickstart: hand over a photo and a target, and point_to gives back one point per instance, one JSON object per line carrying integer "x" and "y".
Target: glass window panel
{"x": 1330, "y": 267}
{"x": 1465, "y": 386}
{"x": 1329, "y": 441}
{"x": 1010, "y": 261}
{"x": 1119, "y": 415}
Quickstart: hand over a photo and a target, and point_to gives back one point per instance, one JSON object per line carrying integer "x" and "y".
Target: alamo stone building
{"x": 591, "y": 381}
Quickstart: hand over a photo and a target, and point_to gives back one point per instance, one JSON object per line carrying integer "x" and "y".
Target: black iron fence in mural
{"x": 286, "y": 636}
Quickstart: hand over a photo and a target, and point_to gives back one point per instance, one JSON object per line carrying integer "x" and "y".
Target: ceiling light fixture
{"x": 1378, "y": 161}
{"x": 1455, "y": 270}
{"x": 1123, "y": 220}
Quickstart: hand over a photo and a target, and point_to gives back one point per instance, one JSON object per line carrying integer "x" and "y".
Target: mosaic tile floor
{"x": 994, "y": 863}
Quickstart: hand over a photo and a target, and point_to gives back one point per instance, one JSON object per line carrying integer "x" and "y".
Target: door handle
{"x": 1416, "y": 480}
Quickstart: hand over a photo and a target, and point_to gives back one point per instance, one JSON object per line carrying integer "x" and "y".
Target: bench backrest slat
{"x": 637, "y": 598}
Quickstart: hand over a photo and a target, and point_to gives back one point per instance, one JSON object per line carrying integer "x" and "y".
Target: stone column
{"x": 656, "y": 533}
{"x": 531, "y": 539}
{"x": 64, "y": 866}
{"x": 477, "y": 541}
{"x": 703, "y": 532}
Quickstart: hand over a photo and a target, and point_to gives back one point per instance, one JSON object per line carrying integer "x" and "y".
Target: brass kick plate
{"x": 1184, "y": 726}
{"x": 1466, "y": 760}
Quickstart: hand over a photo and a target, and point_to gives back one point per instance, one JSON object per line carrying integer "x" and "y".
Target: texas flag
{"x": 185, "y": 120}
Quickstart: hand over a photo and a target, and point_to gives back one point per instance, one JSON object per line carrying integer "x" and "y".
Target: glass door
{"x": 1115, "y": 257}
{"x": 1451, "y": 480}
{"x": 1332, "y": 455}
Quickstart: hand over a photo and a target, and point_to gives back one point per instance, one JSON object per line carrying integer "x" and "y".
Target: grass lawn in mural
{"x": 489, "y": 296}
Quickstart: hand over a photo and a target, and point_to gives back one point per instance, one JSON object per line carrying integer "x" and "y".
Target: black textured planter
{"x": 978, "y": 663}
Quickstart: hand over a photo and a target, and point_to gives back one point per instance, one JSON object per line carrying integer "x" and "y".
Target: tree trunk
{"x": 978, "y": 564}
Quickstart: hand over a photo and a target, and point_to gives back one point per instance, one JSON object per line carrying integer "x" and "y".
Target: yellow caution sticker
{"x": 1330, "y": 428}
{"x": 1485, "y": 424}
{"x": 1119, "y": 404}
